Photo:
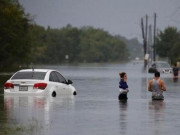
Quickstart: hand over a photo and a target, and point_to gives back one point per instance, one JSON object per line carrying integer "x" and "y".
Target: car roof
{"x": 35, "y": 70}
{"x": 161, "y": 62}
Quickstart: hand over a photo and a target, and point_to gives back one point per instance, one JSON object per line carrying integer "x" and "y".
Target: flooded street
{"x": 96, "y": 108}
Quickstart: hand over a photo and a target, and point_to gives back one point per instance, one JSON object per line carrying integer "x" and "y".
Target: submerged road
{"x": 96, "y": 108}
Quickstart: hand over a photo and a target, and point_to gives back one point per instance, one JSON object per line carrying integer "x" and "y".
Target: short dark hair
{"x": 157, "y": 74}
{"x": 122, "y": 74}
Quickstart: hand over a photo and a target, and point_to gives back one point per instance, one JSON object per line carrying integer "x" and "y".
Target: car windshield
{"x": 29, "y": 75}
{"x": 162, "y": 65}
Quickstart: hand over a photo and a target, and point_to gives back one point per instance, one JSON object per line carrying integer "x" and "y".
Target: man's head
{"x": 157, "y": 74}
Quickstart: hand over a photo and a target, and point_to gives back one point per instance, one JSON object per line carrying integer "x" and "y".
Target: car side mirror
{"x": 69, "y": 82}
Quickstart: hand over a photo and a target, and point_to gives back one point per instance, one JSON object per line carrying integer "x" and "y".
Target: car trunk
{"x": 24, "y": 86}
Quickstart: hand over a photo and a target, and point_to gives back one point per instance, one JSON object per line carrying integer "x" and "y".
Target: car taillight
{"x": 41, "y": 86}
{"x": 8, "y": 85}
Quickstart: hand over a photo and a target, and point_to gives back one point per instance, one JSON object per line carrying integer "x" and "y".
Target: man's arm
{"x": 163, "y": 87}
{"x": 149, "y": 85}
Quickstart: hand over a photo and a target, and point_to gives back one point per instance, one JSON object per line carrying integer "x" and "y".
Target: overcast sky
{"x": 120, "y": 17}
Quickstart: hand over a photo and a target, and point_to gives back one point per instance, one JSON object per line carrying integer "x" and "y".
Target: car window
{"x": 53, "y": 77}
{"x": 29, "y": 75}
{"x": 163, "y": 65}
{"x": 60, "y": 78}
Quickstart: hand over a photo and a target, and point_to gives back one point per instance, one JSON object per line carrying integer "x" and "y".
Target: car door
{"x": 54, "y": 82}
{"x": 63, "y": 83}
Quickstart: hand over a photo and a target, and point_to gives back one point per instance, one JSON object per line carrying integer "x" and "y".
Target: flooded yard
{"x": 96, "y": 108}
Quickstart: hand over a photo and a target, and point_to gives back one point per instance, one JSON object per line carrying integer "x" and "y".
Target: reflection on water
{"x": 32, "y": 113}
{"x": 156, "y": 108}
{"x": 157, "y": 115}
{"x": 123, "y": 116}
{"x": 157, "y": 105}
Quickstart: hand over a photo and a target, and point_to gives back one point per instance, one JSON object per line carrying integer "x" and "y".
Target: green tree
{"x": 167, "y": 43}
{"x": 14, "y": 41}
{"x": 62, "y": 42}
{"x": 98, "y": 45}
{"x": 174, "y": 54}
{"x": 71, "y": 42}
{"x": 38, "y": 42}
{"x": 87, "y": 44}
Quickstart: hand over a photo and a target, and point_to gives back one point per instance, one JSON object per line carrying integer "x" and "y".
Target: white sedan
{"x": 38, "y": 82}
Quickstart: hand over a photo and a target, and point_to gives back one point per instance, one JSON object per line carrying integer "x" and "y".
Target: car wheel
{"x": 74, "y": 93}
{"x": 54, "y": 94}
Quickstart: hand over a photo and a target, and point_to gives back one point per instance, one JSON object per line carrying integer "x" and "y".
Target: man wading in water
{"x": 157, "y": 86}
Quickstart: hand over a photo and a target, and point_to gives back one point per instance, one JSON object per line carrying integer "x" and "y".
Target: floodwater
{"x": 95, "y": 110}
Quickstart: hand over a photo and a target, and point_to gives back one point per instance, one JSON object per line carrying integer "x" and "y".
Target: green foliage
{"x": 135, "y": 49}
{"x": 14, "y": 40}
{"x": 168, "y": 44}
{"x": 98, "y": 46}
{"x": 38, "y": 42}
{"x": 81, "y": 45}
{"x": 59, "y": 43}
{"x": 22, "y": 43}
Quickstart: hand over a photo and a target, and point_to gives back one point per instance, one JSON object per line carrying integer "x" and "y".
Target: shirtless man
{"x": 157, "y": 86}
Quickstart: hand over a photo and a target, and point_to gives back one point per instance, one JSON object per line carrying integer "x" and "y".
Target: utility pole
{"x": 144, "y": 35}
{"x": 154, "y": 48}
{"x": 146, "y": 45}
{"x": 150, "y": 44}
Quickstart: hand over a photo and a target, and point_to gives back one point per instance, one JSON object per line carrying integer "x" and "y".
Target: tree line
{"x": 168, "y": 44}
{"x": 14, "y": 40}
{"x": 71, "y": 44}
{"x": 23, "y": 42}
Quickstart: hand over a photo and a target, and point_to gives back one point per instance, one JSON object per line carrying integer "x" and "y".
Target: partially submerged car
{"x": 160, "y": 66}
{"x": 38, "y": 82}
